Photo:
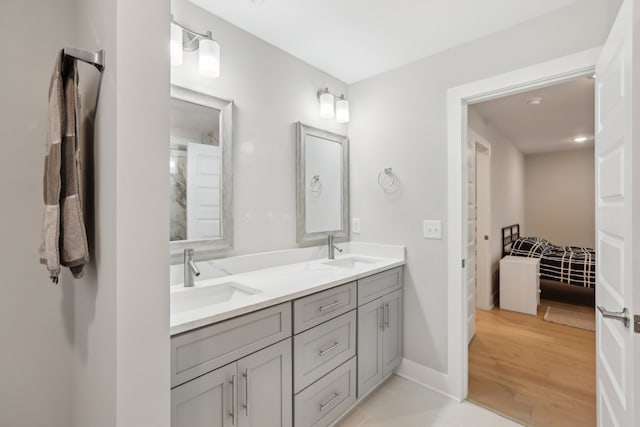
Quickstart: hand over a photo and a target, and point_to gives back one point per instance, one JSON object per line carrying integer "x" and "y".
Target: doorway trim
{"x": 458, "y": 99}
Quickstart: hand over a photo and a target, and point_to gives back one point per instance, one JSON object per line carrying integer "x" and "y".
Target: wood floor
{"x": 538, "y": 373}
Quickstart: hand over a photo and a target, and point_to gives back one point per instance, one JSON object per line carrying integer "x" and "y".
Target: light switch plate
{"x": 432, "y": 229}
{"x": 355, "y": 225}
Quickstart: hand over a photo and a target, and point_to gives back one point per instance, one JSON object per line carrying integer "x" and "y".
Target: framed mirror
{"x": 200, "y": 172}
{"x": 322, "y": 185}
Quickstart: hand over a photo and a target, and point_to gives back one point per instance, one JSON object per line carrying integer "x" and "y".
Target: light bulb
{"x": 342, "y": 111}
{"x": 176, "y": 45}
{"x": 209, "y": 58}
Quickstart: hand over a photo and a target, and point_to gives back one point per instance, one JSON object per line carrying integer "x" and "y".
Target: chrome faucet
{"x": 332, "y": 247}
{"x": 190, "y": 269}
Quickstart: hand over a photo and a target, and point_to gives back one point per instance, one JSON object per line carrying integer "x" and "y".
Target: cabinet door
{"x": 206, "y": 401}
{"x": 265, "y": 389}
{"x": 369, "y": 346}
{"x": 392, "y": 334}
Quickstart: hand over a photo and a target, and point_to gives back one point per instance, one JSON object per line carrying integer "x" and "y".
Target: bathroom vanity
{"x": 281, "y": 338}
{"x": 312, "y": 339}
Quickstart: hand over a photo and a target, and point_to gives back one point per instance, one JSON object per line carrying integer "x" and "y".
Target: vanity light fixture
{"x": 209, "y": 58}
{"x": 326, "y": 103}
{"x": 342, "y": 110}
{"x": 331, "y": 105}
{"x": 186, "y": 40}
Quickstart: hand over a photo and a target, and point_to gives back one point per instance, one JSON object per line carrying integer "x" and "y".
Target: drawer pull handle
{"x": 330, "y": 401}
{"x": 333, "y": 347}
{"x": 327, "y": 307}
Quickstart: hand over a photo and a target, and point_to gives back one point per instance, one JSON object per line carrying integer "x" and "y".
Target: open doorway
{"x": 533, "y": 355}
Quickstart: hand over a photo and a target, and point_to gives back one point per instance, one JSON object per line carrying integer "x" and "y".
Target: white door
{"x": 617, "y": 237}
{"x": 484, "y": 288}
{"x": 471, "y": 237}
{"x": 203, "y": 191}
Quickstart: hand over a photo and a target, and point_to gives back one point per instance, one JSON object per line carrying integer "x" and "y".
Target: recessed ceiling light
{"x": 534, "y": 101}
{"x": 592, "y": 76}
{"x": 580, "y": 139}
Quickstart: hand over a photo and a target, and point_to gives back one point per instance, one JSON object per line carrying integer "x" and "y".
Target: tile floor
{"x": 402, "y": 403}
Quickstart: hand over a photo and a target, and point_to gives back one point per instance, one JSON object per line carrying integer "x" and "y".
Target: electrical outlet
{"x": 355, "y": 225}
{"x": 432, "y": 229}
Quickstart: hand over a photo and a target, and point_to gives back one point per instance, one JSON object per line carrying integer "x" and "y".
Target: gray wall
{"x": 560, "y": 197}
{"x": 121, "y": 338}
{"x": 36, "y": 317}
{"x": 272, "y": 90}
{"x": 399, "y": 121}
{"x": 80, "y": 353}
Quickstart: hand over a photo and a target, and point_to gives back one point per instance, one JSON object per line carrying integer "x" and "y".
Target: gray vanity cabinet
{"x": 369, "y": 346}
{"x": 392, "y": 332}
{"x": 254, "y": 391}
{"x": 264, "y": 391}
{"x": 206, "y": 401}
{"x": 379, "y": 339}
{"x": 235, "y": 373}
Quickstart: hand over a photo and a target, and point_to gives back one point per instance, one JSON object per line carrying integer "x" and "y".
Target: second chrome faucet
{"x": 332, "y": 247}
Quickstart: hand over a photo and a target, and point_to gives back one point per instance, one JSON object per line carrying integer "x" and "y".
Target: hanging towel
{"x": 64, "y": 236}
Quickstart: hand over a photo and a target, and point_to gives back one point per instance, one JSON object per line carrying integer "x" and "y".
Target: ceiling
{"x": 356, "y": 39}
{"x": 566, "y": 111}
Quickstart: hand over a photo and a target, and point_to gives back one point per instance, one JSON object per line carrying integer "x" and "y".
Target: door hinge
{"x": 636, "y": 324}
{"x": 463, "y": 263}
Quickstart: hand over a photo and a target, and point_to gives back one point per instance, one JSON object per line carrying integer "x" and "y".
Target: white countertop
{"x": 284, "y": 283}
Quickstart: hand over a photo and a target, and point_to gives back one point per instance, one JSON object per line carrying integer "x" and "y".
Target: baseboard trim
{"x": 426, "y": 377}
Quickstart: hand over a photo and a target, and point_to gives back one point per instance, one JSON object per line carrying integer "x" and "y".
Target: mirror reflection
{"x": 322, "y": 185}
{"x": 194, "y": 165}
{"x": 323, "y": 160}
{"x": 200, "y": 173}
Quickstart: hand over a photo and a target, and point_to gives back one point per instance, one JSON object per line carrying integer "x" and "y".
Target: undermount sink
{"x": 351, "y": 262}
{"x": 193, "y": 298}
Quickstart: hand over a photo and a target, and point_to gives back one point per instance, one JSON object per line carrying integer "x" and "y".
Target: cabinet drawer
{"x": 328, "y": 398}
{"x": 200, "y": 351}
{"x": 375, "y": 286}
{"x": 319, "y": 350}
{"x": 317, "y": 308}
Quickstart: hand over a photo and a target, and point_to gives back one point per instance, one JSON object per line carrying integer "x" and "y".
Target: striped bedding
{"x": 567, "y": 264}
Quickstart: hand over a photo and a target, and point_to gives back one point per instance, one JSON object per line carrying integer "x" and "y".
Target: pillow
{"x": 531, "y": 247}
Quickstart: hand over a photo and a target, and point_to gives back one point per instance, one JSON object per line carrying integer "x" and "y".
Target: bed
{"x": 570, "y": 265}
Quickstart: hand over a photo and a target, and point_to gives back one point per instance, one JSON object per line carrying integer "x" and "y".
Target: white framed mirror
{"x": 322, "y": 185}
{"x": 200, "y": 172}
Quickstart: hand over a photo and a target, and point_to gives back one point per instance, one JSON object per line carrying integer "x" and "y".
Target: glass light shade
{"x": 342, "y": 111}
{"x": 209, "y": 58}
{"x": 326, "y": 105}
{"x": 176, "y": 45}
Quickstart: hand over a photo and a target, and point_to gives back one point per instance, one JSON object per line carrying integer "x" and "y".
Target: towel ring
{"x": 388, "y": 180}
{"x": 315, "y": 185}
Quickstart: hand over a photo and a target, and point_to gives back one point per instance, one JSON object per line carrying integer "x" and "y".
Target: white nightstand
{"x": 520, "y": 284}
